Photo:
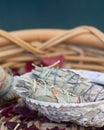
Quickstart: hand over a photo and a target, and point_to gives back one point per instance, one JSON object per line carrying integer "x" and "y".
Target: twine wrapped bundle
{"x": 75, "y": 87}
{"x": 58, "y": 86}
{"x": 7, "y": 92}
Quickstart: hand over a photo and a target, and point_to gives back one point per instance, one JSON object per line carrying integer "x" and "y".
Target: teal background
{"x": 27, "y": 14}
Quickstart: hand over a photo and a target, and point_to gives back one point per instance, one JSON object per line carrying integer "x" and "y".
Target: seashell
{"x": 85, "y": 113}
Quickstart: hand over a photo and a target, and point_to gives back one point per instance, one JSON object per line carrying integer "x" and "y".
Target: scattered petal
{"x": 15, "y": 125}
{"x": 43, "y": 119}
{"x": 26, "y": 113}
{"x": 37, "y": 124}
{"x": 15, "y": 71}
{"x": 11, "y": 125}
{"x": 32, "y": 127}
{"x": 28, "y": 66}
{"x": 49, "y": 61}
{"x": 6, "y": 111}
{"x": 55, "y": 128}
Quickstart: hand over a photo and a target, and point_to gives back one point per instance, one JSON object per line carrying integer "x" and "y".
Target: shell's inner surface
{"x": 58, "y": 85}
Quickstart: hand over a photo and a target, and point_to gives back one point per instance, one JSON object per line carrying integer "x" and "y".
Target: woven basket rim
{"x": 40, "y": 42}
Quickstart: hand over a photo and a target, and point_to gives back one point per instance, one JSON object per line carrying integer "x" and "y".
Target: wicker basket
{"x": 82, "y": 47}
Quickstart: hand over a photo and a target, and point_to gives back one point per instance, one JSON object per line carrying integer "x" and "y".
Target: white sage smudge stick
{"x": 72, "y": 82}
{"x": 58, "y": 85}
{"x": 6, "y": 87}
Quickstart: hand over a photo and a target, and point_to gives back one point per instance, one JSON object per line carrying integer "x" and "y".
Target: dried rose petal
{"x": 15, "y": 71}
{"x": 49, "y": 61}
{"x": 12, "y": 125}
{"x": 43, "y": 120}
{"x": 32, "y": 128}
{"x": 6, "y": 103}
{"x": 55, "y": 128}
{"x": 6, "y": 111}
{"x": 22, "y": 126}
{"x": 21, "y": 110}
{"x": 28, "y": 66}
{"x": 22, "y": 117}
{"x": 26, "y": 112}
{"x": 102, "y": 128}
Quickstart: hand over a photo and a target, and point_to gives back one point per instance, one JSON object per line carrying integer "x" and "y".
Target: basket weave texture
{"x": 82, "y": 47}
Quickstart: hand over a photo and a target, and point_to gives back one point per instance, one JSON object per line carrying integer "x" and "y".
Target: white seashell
{"x": 85, "y": 114}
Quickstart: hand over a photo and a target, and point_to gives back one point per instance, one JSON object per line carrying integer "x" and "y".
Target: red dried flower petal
{"x": 6, "y": 111}
{"x": 28, "y": 66}
{"x": 26, "y": 113}
{"x": 12, "y": 125}
{"x": 32, "y": 128}
{"x": 6, "y": 103}
{"x": 21, "y": 110}
{"x": 55, "y": 128}
{"x": 22, "y": 117}
{"x": 43, "y": 120}
{"x": 15, "y": 71}
{"x": 49, "y": 61}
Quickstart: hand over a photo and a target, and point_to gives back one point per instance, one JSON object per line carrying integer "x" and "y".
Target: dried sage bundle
{"x": 58, "y": 85}
{"x": 6, "y": 88}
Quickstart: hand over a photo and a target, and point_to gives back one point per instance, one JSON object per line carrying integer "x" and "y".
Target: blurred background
{"x": 27, "y": 14}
